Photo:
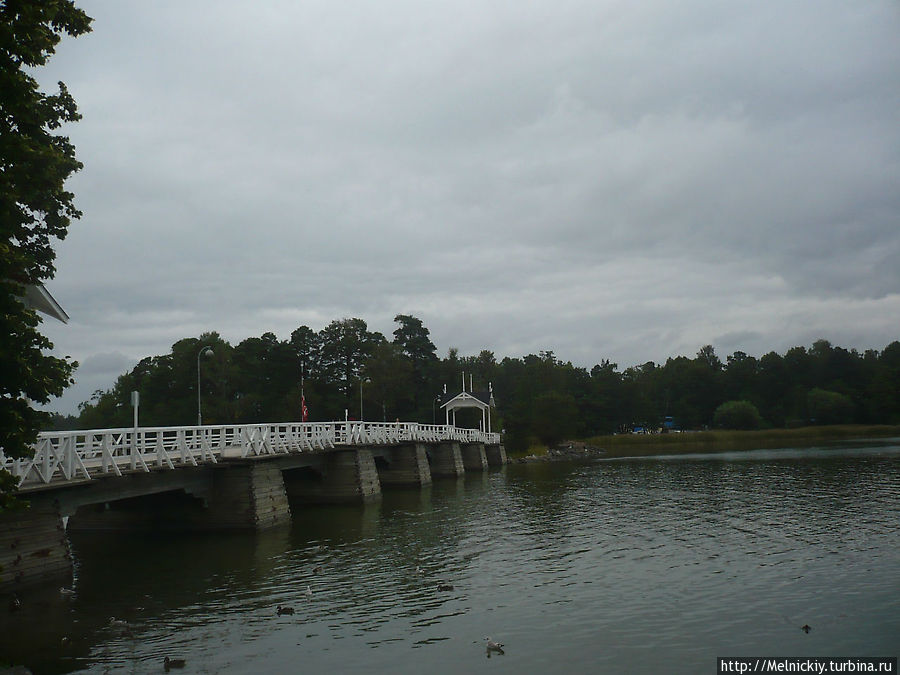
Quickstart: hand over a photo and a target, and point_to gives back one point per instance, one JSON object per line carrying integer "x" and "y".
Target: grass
{"x": 636, "y": 445}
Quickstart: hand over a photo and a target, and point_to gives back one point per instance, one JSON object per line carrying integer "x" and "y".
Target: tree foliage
{"x": 540, "y": 398}
{"x": 737, "y": 415}
{"x": 35, "y": 210}
{"x": 413, "y": 340}
{"x": 554, "y": 417}
{"x": 829, "y": 407}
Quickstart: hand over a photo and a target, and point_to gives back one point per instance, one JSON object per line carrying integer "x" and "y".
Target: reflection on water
{"x": 612, "y": 566}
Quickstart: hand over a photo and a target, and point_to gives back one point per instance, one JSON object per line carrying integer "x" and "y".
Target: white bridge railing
{"x": 80, "y": 455}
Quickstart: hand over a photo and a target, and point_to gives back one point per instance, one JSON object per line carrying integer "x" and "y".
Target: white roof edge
{"x": 38, "y": 297}
{"x": 466, "y": 396}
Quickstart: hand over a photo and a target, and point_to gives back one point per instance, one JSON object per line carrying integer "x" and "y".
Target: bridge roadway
{"x": 245, "y": 476}
{"x": 67, "y": 456}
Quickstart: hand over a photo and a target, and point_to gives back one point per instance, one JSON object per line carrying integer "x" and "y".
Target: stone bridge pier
{"x": 230, "y": 496}
{"x": 33, "y": 545}
{"x": 473, "y": 456}
{"x": 496, "y": 455}
{"x": 446, "y": 460}
{"x": 404, "y": 465}
{"x": 338, "y": 477}
{"x": 234, "y": 494}
{"x": 249, "y": 496}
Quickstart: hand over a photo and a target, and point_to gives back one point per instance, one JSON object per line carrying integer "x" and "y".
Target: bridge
{"x": 246, "y": 476}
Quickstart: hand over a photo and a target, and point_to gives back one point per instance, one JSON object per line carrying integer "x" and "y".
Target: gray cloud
{"x": 603, "y": 179}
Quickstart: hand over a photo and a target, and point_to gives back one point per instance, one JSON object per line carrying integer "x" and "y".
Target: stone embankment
{"x": 567, "y": 451}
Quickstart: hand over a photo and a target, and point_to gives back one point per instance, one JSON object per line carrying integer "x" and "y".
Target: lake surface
{"x": 620, "y": 566}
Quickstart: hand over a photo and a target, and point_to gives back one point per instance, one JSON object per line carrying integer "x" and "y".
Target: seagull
{"x": 419, "y": 570}
{"x": 493, "y": 646}
{"x": 284, "y": 610}
{"x": 173, "y": 663}
{"x": 66, "y": 591}
{"x": 308, "y": 591}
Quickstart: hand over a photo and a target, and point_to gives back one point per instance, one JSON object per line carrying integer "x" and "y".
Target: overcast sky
{"x": 608, "y": 180}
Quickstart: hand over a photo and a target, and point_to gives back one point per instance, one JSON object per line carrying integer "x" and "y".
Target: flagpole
{"x": 303, "y": 414}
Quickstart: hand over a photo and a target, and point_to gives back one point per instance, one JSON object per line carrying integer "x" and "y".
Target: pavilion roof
{"x": 468, "y": 399}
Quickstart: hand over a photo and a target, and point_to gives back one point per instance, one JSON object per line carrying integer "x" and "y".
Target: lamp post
{"x": 433, "y": 414}
{"x": 362, "y": 380}
{"x": 209, "y": 352}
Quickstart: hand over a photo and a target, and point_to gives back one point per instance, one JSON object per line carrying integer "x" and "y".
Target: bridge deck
{"x": 75, "y": 456}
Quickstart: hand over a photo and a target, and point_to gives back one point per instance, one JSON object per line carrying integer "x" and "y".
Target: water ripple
{"x": 696, "y": 556}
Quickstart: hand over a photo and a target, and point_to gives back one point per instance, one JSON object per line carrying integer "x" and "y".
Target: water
{"x": 620, "y": 566}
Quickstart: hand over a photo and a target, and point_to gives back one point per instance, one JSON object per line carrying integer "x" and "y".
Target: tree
{"x": 343, "y": 349}
{"x": 412, "y": 338}
{"x": 707, "y": 356}
{"x": 798, "y": 366}
{"x": 638, "y": 391}
{"x": 391, "y": 388}
{"x": 829, "y": 407}
{"x": 604, "y": 403}
{"x": 266, "y": 373}
{"x": 168, "y": 388}
{"x": 737, "y": 415}
{"x": 305, "y": 345}
{"x": 35, "y": 209}
{"x": 883, "y": 389}
{"x": 740, "y": 374}
{"x": 554, "y": 417}
{"x": 771, "y": 385}
{"x": 690, "y": 391}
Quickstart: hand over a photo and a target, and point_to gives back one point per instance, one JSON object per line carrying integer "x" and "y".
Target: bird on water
{"x": 284, "y": 610}
{"x": 492, "y": 646}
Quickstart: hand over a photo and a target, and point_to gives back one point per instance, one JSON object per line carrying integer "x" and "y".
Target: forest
{"x": 540, "y": 398}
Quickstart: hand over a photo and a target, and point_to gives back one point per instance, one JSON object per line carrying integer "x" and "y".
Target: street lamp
{"x": 433, "y": 401}
{"x": 209, "y": 352}
{"x": 362, "y": 380}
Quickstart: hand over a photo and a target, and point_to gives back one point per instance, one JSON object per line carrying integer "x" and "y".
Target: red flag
{"x": 304, "y": 413}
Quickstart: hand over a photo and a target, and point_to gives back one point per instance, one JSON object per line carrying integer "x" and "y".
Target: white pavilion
{"x": 482, "y": 400}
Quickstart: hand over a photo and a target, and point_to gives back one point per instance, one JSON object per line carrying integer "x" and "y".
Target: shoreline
{"x": 644, "y": 445}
